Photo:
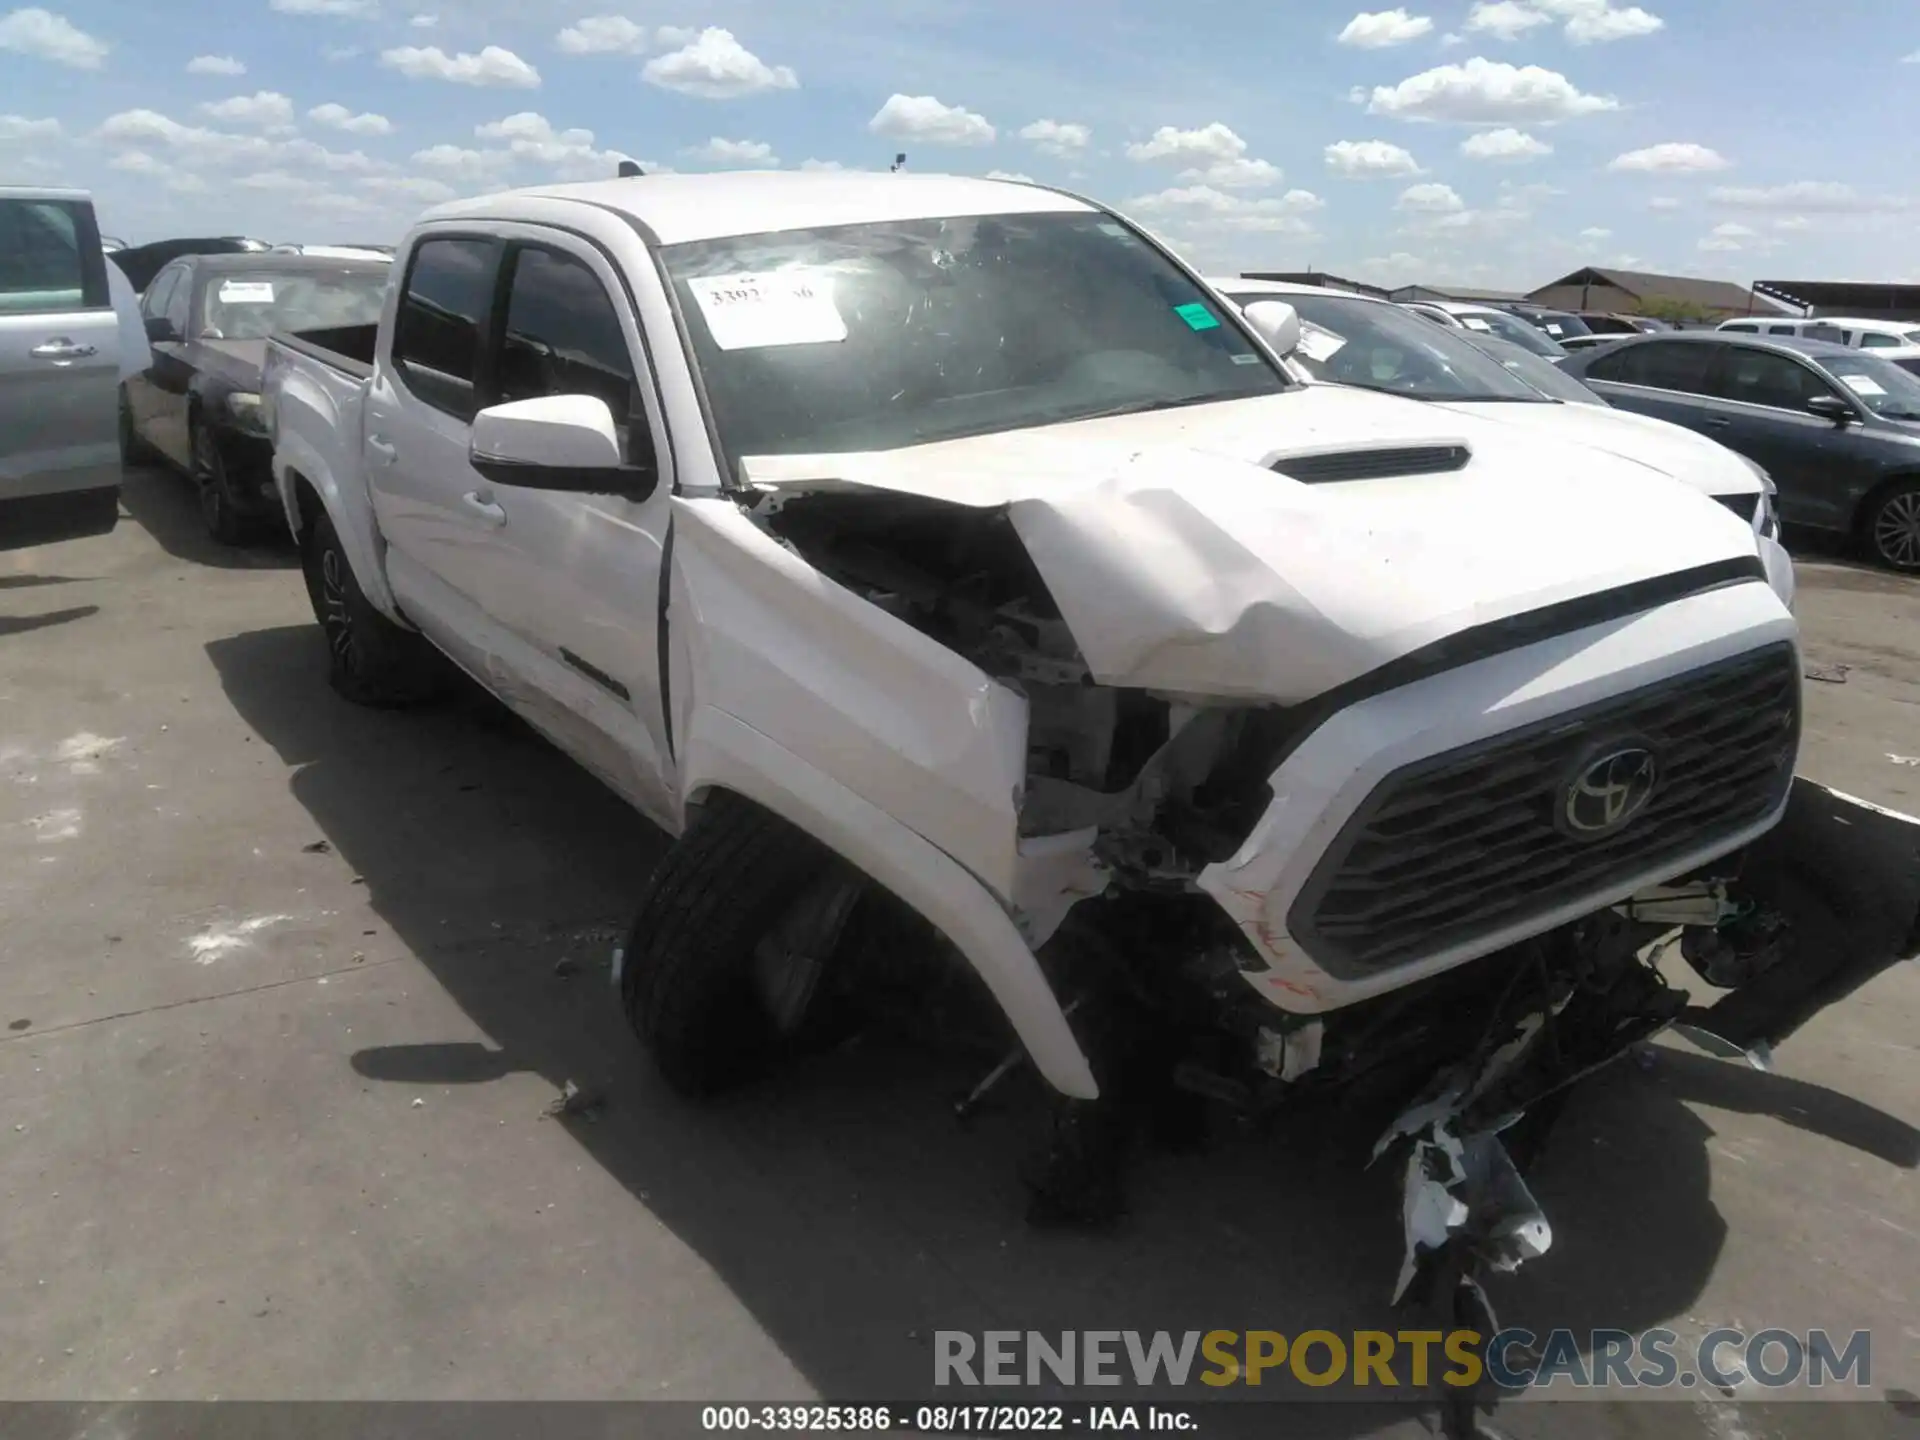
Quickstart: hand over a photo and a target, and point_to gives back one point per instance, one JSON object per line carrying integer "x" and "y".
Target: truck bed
{"x": 346, "y": 348}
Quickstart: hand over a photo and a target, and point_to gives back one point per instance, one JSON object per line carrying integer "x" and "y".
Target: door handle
{"x": 381, "y": 450}
{"x": 61, "y": 348}
{"x": 485, "y": 509}
{"x": 1717, "y": 422}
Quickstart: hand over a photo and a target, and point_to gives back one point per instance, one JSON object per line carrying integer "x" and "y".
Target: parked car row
{"x": 87, "y": 360}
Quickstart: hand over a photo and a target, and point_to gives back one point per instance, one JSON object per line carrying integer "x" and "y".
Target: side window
{"x": 1660, "y": 365}
{"x": 1742, "y": 329}
{"x": 180, "y": 302}
{"x": 1771, "y": 329}
{"x": 44, "y": 262}
{"x": 443, "y": 315}
{"x": 1765, "y": 377}
{"x": 563, "y": 335}
{"x": 154, "y": 302}
{"x": 1873, "y": 341}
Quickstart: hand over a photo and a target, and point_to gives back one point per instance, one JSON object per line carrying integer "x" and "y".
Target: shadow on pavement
{"x": 20, "y": 624}
{"x": 163, "y": 503}
{"x": 842, "y": 1204}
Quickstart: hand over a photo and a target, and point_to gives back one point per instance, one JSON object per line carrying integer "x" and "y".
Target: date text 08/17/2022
{"x": 946, "y": 1419}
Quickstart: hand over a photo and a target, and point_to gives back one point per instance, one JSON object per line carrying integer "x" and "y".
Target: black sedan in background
{"x": 1838, "y": 429}
{"x": 197, "y": 405}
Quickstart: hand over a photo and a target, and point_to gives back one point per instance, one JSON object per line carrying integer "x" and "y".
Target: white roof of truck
{"x": 678, "y": 208}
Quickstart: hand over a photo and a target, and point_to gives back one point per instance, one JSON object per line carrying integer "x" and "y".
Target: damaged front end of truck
{"x": 1261, "y": 792}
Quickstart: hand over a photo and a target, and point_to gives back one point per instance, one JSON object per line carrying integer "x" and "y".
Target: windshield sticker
{"x": 1474, "y": 322}
{"x": 1862, "y": 384}
{"x": 1555, "y": 330}
{"x": 1119, "y": 232}
{"x": 1318, "y": 343}
{"x": 1197, "y": 316}
{"x": 1245, "y": 359}
{"x": 246, "y": 292}
{"x": 753, "y": 312}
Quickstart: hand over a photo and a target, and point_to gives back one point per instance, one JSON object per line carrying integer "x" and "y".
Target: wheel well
{"x": 306, "y": 501}
{"x": 1875, "y": 495}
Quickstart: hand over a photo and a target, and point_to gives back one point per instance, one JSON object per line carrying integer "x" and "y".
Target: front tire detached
{"x": 689, "y": 984}
{"x": 370, "y": 660}
{"x": 1891, "y": 528}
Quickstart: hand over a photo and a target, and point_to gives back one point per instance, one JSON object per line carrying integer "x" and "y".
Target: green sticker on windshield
{"x": 1197, "y": 316}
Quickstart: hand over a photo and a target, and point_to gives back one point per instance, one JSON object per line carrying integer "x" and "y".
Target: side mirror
{"x": 160, "y": 331}
{"x": 1831, "y": 407}
{"x": 558, "y": 442}
{"x": 1277, "y": 323}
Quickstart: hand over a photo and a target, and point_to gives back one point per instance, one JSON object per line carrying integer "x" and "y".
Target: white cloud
{"x": 821, "y": 167}
{"x": 1369, "y": 159}
{"x": 1486, "y": 92}
{"x": 1221, "y": 156}
{"x": 264, "y": 110}
{"x": 1450, "y": 39}
{"x": 1504, "y": 19}
{"x": 424, "y": 22}
{"x": 1210, "y": 142}
{"x": 411, "y": 187}
{"x": 925, "y": 119}
{"x": 46, "y": 36}
{"x": 1792, "y": 222}
{"x": 735, "y": 152}
{"x": 1663, "y": 202}
{"x": 1014, "y": 175}
{"x": 1429, "y": 199}
{"x": 1913, "y": 59}
{"x": 194, "y": 147}
{"x": 139, "y": 162}
{"x": 715, "y": 66}
{"x": 1593, "y": 22}
{"x": 567, "y": 154}
{"x": 1728, "y": 237}
{"x": 675, "y": 35}
{"x": 1507, "y": 144}
{"x": 602, "y": 35}
{"x": 216, "y": 65}
{"x": 475, "y": 167}
{"x": 1595, "y": 232}
{"x": 1381, "y": 28}
{"x": 1202, "y": 205}
{"x": 339, "y": 117}
{"x": 337, "y": 53}
{"x": 1058, "y": 138}
{"x": 19, "y": 127}
{"x": 1811, "y": 196}
{"x": 1672, "y": 157}
{"x": 327, "y": 7}
{"x": 493, "y": 66}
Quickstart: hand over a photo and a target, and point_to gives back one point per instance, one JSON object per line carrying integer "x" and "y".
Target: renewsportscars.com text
{"x": 1512, "y": 1359}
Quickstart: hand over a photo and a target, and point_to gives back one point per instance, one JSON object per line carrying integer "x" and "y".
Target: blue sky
{"x": 1497, "y": 142}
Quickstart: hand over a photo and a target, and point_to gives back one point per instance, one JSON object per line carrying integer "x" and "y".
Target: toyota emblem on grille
{"x": 1608, "y": 791}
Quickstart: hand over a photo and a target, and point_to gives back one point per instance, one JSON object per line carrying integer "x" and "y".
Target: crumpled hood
{"x": 1706, "y": 465}
{"x": 1180, "y": 561}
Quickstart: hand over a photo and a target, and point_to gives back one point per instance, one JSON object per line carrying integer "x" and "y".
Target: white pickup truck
{"x": 965, "y": 584}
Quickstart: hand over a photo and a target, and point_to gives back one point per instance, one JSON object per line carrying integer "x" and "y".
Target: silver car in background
{"x": 59, "y": 369}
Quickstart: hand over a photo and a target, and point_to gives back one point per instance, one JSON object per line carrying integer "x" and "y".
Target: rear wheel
{"x": 223, "y": 518}
{"x": 370, "y": 660}
{"x": 1891, "y": 527}
{"x": 734, "y": 931}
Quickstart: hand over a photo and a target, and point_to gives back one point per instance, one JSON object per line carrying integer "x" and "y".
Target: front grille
{"x": 1465, "y": 843}
{"x": 1378, "y": 464}
{"x": 1744, "y": 506}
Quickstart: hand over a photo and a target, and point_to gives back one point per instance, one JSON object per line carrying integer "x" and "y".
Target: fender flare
{"x": 297, "y": 463}
{"x": 722, "y": 752}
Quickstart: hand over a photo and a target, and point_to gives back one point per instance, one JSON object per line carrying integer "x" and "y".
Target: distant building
{"x": 1315, "y": 277}
{"x": 1409, "y": 293}
{"x": 1631, "y": 292}
{"x": 1837, "y": 297}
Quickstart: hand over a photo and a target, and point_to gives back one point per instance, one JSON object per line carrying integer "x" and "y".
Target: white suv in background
{"x": 60, "y": 350}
